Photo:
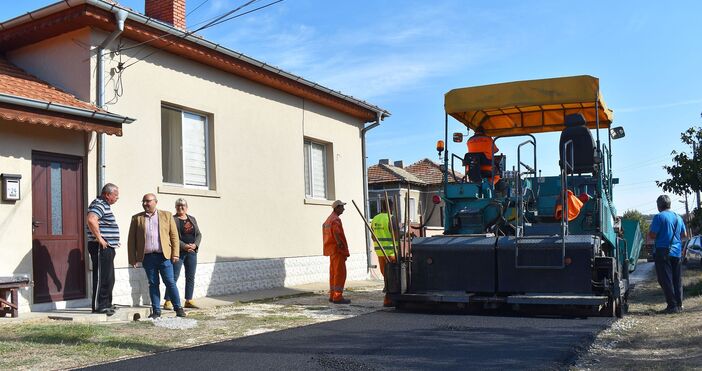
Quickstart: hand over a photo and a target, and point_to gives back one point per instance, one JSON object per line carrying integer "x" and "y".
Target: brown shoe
{"x": 342, "y": 301}
{"x": 191, "y": 304}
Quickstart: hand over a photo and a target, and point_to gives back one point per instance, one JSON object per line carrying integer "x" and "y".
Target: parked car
{"x": 693, "y": 251}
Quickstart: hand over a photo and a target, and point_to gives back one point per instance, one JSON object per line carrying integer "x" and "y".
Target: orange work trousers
{"x": 337, "y": 276}
{"x": 381, "y": 263}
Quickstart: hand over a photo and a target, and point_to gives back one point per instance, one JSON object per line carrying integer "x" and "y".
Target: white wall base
{"x": 220, "y": 278}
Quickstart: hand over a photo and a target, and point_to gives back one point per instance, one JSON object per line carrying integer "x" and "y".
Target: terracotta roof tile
{"x": 15, "y": 81}
{"x": 377, "y": 174}
{"x": 423, "y": 172}
{"x": 429, "y": 171}
{"x": 382, "y": 173}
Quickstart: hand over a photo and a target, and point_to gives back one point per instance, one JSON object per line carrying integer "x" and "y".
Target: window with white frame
{"x": 413, "y": 210}
{"x": 185, "y": 148}
{"x": 315, "y": 170}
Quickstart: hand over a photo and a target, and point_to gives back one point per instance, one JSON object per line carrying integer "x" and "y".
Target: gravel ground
{"x": 646, "y": 340}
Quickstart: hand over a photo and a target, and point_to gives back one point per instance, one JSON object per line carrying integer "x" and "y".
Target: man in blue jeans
{"x": 667, "y": 230}
{"x": 153, "y": 241}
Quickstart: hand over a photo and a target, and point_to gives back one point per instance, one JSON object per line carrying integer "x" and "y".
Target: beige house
{"x": 258, "y": 153}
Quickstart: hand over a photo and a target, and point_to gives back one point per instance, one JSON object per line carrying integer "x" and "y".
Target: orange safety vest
{"x": 480, "y": 143}
{"x": 574, "y": 206}
{"x": 331, "y": 227}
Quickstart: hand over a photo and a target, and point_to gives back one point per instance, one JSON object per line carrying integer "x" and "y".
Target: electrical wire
{"x": 207, "y": 22}
{"x": 219, "y": 20}
{"x": 196, "y": 8}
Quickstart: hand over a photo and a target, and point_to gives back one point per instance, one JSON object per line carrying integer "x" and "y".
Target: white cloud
{"x": 367, "y": 59}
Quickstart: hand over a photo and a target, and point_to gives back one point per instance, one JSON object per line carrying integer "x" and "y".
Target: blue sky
{"x": 403, "y": 55}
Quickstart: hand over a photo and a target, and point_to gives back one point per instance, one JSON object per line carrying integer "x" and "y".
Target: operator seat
{"x": 473, "y": 161}
{"x": 584, "y": 148}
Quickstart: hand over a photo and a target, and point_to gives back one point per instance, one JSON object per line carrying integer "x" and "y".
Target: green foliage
{"x": 636, "y": 215}
{"x": 685, "y": 174}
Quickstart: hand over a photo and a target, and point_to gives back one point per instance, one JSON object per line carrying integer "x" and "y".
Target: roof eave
{"x": 64, "y": 109}
{"x": 374, "y": 112}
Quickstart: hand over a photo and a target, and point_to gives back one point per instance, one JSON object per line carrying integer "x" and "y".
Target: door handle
{"x": 35, "y": 224}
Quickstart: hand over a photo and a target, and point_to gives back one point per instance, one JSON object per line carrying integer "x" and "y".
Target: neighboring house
{"x": 259, "y": 154}
{"x": 422, "y": 180}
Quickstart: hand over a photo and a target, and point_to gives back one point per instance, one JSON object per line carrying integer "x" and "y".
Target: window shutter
{"x": 413, "y": 209}
{"x": 194, "y": 150}
{"x": 308, "y": 159}
{"x": 319, "y": 176}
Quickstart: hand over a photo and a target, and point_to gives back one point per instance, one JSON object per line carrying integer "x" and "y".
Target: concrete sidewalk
{"x": 128, "y": 313}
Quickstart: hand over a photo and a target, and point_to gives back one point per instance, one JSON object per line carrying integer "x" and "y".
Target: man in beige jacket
{"x": 153, "y": 242}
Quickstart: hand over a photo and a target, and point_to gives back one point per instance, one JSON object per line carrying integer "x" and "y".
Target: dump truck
{"x": 505, "y": 245}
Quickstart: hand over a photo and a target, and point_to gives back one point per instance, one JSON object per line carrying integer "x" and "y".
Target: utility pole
{"x": 687, "y": 211}
{"x": 694, "y": 155}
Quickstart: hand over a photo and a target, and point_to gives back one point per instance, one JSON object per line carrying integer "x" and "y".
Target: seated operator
{"x": 481, "y": 143}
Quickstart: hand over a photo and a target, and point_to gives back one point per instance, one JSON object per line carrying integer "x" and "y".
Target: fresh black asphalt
{"x": 391, "y": 340}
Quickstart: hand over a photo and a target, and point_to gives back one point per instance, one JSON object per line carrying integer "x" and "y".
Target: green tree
{"x": 636, "y": 215}
{"x": 685, "y": 174}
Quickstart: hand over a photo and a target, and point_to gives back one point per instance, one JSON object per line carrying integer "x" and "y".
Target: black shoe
{"x": 342, "y": 301}
{"x": 180, "y": 312}
{"x": 155, "y": 315}
{"x": 670, "y": 310}
{"x": 106, "y": 311}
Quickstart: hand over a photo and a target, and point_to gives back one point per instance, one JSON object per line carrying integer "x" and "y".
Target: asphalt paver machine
{"x": 504, "y": 245}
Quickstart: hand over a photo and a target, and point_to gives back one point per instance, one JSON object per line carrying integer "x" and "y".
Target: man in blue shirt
{"x": 668, "y": 230}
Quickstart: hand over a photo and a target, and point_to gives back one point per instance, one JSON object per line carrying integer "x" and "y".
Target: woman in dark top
{"x": 190, "y": 237}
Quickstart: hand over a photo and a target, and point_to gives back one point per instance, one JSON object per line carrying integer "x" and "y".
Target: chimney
{"x": 168, "y": 11}
{"x": 400, "y": 164}
{"x": 384, "y": 161}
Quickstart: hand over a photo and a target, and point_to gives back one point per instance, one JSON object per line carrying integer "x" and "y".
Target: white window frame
{"x": 413, "y": 213}
{"x": 208, "y": 172}
{"x": 307, "y": 149}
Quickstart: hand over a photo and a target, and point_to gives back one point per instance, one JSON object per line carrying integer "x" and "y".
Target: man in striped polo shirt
{"x": 103, "y": 239}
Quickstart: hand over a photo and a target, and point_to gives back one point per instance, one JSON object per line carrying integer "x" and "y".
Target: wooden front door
{"x": 58, "y": 256}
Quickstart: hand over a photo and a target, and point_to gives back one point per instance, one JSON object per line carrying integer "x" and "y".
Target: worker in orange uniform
{"x": 481, "y": 143}
{"x": 337, "y": 249}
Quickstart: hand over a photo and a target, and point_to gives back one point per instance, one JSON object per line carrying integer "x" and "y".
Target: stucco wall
{"x": 258, "y": 209}
{"x": 63, "y": 61}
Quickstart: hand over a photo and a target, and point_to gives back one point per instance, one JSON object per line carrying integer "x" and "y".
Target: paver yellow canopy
{"x": 532, "y": 106}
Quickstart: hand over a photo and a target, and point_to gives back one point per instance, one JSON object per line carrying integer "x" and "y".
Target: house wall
{"x": 259, "y": 230}
{"x": 63, "y": 61}
{"x": 17, "y": 141}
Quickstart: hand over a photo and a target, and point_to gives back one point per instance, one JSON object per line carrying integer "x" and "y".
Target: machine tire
{"x": 610, "y": 309}
{"x": 620, "y": 308}
{"x": 625, "y": 269}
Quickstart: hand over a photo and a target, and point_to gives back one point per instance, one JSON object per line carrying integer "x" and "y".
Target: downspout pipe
{"x": 366, "y": 206}
{"x": 120, "y": 18}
